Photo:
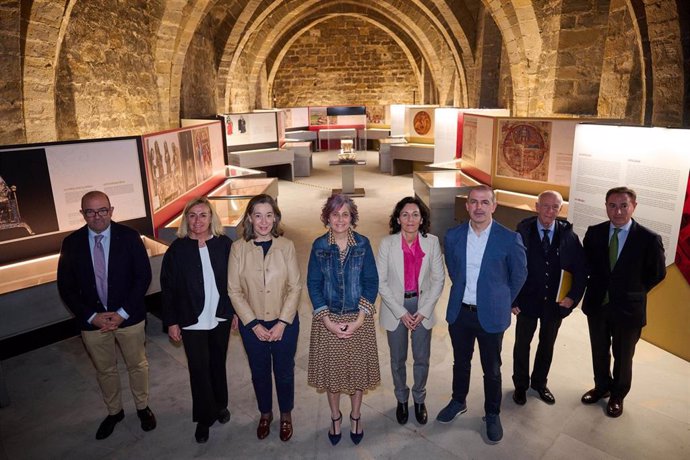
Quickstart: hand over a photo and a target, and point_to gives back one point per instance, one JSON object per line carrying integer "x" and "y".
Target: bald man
{"x": 103, "y": 275}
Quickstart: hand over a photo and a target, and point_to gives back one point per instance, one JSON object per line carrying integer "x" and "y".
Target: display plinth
{"x": 347, "y": 172}
{"x": 303, "y": 160}
{"x": 403, "y": 157}
{"x": 438, "y": 189}
{"x": 282, "y": 160}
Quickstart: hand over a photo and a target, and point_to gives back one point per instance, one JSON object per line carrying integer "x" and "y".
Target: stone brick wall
{"x": 344, "y": 61}
{"x": 620, "y": 93}
{"x": 198, "y": 92}
{"x": 106, "y": 77}
{"x": 12, "y": 125}
{"x": 580, "y": 56}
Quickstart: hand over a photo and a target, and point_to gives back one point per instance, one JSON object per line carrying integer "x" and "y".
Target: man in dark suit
{"x": 103, "y": 275}
{"x": 487, "y": 266}
{"x": 552, "y": 246}
{"x": 626, "y": 260}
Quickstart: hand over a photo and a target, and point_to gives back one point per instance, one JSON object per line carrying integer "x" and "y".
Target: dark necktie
{"x": 545, "y": 243}
{"x": 613, "y": 256}
{"x": 99, "y": 270}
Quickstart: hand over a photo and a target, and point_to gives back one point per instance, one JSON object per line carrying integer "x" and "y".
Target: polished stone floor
{"x": 55, "y": 406}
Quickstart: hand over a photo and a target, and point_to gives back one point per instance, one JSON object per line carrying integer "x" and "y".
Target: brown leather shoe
{"x": 594, "y": 395}
{"x": 264, "y": 428}
{"x": 285, "y": 430}
{"x": 615, "y": 407}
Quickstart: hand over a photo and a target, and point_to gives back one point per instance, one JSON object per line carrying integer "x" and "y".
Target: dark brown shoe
{"x": 593, "y": 396}
{"x": 615, "y": 407}
{"x": 285, "y": 430}
{"x": 264, "y": 428}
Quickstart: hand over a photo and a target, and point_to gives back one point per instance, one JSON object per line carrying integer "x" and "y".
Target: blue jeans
{"x": 463, "y": 333}
{"x": 280, "y": 356}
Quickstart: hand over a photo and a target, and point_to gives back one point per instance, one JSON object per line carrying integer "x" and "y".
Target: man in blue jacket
{"x": 552, "y": 246}
{"x": 103, "y": 275}
{"x": 487, "y": 267}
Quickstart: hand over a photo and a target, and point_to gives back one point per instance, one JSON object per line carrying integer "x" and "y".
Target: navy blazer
{"x": 572, "y": 259}
{"x": 501, "y": 275}
{"x": 129, "y": 275}
{"x": 641, "y": 265}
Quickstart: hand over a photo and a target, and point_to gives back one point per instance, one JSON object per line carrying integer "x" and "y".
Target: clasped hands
{"x": 273, "y": 334}
{"x": 343, "y": 330}
{"x": 107, "y": 321}
{"x": 411, "y": 321}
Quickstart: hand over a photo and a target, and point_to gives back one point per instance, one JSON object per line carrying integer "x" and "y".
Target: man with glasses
{"x": 103, "y": 275}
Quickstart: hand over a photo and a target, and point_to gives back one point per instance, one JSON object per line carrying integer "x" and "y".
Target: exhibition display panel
{"x": 243, "y": 188}
{"x": 230, "y": 211}
{"x": 336, "y": 123}
{"x": 404, "y": 156}
{"x": 438, "y": 189}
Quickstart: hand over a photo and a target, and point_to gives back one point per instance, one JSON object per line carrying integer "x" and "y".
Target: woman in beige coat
{"x": 264, "y": 285}
{"x": 411, "y": 277}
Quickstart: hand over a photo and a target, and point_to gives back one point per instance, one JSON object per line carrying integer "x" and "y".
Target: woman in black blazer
{"x": 197, "y": 309}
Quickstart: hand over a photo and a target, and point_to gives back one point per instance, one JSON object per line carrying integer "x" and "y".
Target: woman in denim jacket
{"x": 343, "y": 283}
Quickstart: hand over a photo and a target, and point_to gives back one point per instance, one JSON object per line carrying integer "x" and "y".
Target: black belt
{"x": 410, "y": 295}
{"x": 469, "y": 307}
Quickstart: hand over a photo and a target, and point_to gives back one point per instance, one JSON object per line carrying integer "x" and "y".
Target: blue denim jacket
{"x": 339, "y": 288}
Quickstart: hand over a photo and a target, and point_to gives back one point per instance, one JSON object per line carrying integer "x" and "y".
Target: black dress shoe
{"x": 201, "y": 433}
{"x": 108, "y": 425}
{"x": 594, "y": 395}
{"x": 402, "y": 413}
{"x": 420, "y": 413}
{"x": 615, "y": 407}
{"x": 545, "y": 395}
{"x": 224, "y": 416}
{"x": 520, "y": 397}
{"x": 148, "y": 420}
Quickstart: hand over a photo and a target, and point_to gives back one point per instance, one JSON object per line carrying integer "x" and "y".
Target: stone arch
{"x": 281, "y": 53}
{"x": 46, "y": 24}
{"x": 241, "y": 54}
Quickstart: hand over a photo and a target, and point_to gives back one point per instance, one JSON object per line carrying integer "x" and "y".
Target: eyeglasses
{"x": 92, "y": 212}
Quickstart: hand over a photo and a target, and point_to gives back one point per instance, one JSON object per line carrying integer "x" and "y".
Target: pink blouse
{"x": 413, "y": 256}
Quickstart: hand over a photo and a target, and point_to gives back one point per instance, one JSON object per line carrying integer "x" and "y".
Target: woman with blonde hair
{"x": 197, "y": 309}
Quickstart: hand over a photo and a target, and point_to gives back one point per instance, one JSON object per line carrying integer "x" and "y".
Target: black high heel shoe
{"x": 333, "y": 437}
{"x": 356, "y": 437}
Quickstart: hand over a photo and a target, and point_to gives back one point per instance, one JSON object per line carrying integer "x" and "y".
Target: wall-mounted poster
{"x": 41, "y": 188}
{"x": 296, "y": 117}
{"x": 376, "y": 115}
{"x": 419, "y": 124}
{"x": 250, "y": 131}
{"x": 524, "y": 149}
{"x": 318, "y": 116}
{"x": 179, "y": 160}
{"x": 652, "y": 161}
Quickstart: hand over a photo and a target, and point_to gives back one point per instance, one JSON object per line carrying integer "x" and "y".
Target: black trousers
{"x": 463, "y": 334}
{"x": 206, "y": 352}
{"x": 607, "y": 335}
{"x": 524, "y": 332}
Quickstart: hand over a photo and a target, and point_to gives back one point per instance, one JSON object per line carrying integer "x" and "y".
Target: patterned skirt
{"x": 343, "y": 365}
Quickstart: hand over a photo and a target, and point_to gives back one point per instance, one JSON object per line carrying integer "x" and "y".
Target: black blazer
{"x": 640, "y": 266}
{"x": 129, "y": 275}
{"x": 182, "y": 280}
{"x": 572, "y": 259}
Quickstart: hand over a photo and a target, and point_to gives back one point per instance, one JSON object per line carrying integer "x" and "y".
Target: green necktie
{"x": 613, "y": 248}
{"x": 613, "y": 256}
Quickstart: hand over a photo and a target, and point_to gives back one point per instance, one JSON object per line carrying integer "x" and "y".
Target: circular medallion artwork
{"x": 422, "y": 123}
{"x": 525, "y": 149}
